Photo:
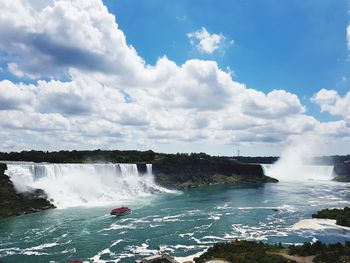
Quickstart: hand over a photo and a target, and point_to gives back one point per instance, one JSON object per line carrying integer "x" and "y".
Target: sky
{"x": 175, "y": 76}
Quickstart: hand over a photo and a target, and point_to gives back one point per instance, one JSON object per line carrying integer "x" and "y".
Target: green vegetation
{"x": 244, "y": 252}
{"x": 80, "y": 156}
{"x": 252, "y": 251}
{"x": 332, "y": 253}
{"x": 13, "y": 203}
{"x": 170, "y": 170}
{"x": 342, "y": 216}
{"x": 186, "y": 171}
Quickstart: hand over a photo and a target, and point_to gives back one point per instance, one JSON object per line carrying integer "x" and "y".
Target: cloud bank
{"x": 92, "y": 90}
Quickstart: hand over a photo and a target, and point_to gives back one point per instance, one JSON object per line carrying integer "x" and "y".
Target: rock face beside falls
{"x": 13, "y": 203}
{"x": 189, "y": 171}
{"x": 342, "y": 172}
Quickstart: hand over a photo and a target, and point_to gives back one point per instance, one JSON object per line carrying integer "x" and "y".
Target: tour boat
{"x": 120, "y": 211}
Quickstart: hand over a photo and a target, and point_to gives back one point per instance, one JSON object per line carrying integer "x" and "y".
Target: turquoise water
{"x": 181, "y": 223}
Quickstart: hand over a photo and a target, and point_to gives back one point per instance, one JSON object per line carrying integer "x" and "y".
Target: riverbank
{"x": 252, "y": 251}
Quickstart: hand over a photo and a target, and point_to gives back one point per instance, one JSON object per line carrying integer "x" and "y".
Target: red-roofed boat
{"x": 120, "y": 211}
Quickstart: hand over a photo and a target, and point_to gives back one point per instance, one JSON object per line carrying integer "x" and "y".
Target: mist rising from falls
{"x": 70, "y": 185}
{"x": 294, "y": 163}
{"x": 284, "y": 172}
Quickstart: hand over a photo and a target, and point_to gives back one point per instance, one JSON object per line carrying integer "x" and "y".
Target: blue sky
{"x": 175, "y": 76}
{"x": 295, "y": 45}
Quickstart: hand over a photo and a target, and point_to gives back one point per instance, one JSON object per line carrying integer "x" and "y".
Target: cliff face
{"x": 180, "y": 172}
{"x": 342, "y": 172}
{"x": 13, "y": 203}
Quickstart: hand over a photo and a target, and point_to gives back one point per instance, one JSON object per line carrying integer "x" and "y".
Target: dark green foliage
{"x": 80, "y": 156}
{"x": 341, "y": 215}
{"x": 332, "y": 253}
{"x": 307, "y": 249}
{"x": 264, "y": 159}
{"x": 192, "y": 170}
{"x": 202, "y": 164}
{"x": 244, "y": 252}
{"x": 252, "y": 251}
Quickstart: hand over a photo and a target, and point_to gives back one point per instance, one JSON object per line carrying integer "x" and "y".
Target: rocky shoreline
{"x": 184, "y": 172}
{"x": 13, "y": 203}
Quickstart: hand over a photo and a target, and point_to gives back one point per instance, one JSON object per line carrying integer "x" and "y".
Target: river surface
{"x": 182, "y": 223}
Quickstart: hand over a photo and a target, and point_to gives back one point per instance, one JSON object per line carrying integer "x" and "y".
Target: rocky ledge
{"x": 189, "y": 171}
{"x": 342, "y": 172}
{"x": 14, "y": 203}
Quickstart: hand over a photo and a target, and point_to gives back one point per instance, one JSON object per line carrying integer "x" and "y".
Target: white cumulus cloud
{"x": 109, "y": 96}
{"x": 330, "y": 101}
{"x": 206, "y": 42}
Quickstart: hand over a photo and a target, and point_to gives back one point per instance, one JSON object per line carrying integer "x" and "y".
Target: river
{"x": 180, "y": 222}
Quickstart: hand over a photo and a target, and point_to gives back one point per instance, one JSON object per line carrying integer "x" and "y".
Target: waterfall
{"x": 301, "y": 172}
{"x": 69, "y": 185}
{"x": 149, "y": 168}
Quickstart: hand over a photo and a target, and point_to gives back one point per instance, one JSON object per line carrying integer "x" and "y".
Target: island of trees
{"x": 342, "y": 216}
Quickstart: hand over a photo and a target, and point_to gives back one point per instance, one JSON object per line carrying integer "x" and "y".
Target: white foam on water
{"x": 186, "y": 234}
{"x": 36, "y": 250}
{"x": 97, "y": 257}
{"x": 174, "y": 218}
{"x": 203, "y": 227}
{"x": 214, "y": 216}
{"x": 153, "y": 226}
{"x": 43, "y": 246}
{"x": 260, "y": 232}
{"x": 71, "y": 185}
{"x": 116, "y": 242}
{"x": 318, "y": 224}
{"x": 208, "y": 240}
{"x": 142, "y": 250}
{"x": 116, "y": 226}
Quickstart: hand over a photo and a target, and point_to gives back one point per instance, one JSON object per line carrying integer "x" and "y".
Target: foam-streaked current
{"x": 182, "y": 223}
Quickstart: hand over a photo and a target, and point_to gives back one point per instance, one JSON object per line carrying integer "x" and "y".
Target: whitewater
{"x": 72, "y": 185}
{"x": 180, "y": 223}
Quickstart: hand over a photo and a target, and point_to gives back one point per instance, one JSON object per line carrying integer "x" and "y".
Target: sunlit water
{"x": 182, "y": 223}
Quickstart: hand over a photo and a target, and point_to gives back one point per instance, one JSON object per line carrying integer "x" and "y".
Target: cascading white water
{"x": 293, "y": 172}
{"x": 149, "y": 168}
{"x": 70, "y": 185}
{"x": 294, "y": 163}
